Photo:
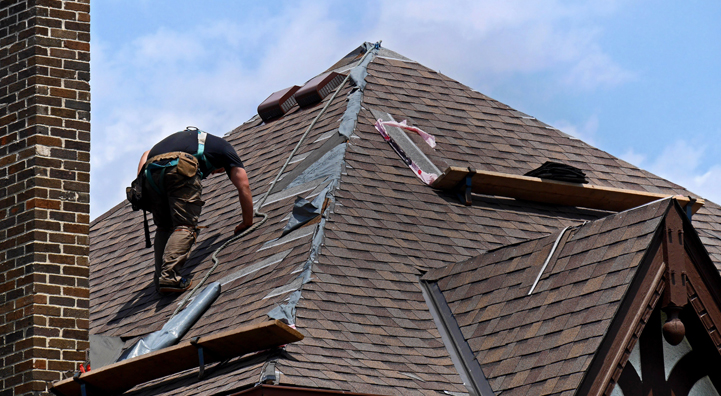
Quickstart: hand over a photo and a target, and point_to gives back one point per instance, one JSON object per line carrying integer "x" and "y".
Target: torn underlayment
{"x": 329, "y": 166}
{"x": 176, "y": 327}
{"x": 305, "y": 211}
{"x": 358, "y": 75}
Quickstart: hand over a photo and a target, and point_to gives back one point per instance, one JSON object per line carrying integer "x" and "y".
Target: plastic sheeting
{"x": 426, "y": 177}
{"x": 104, "y": 350}
{"x": 176, "y": 327}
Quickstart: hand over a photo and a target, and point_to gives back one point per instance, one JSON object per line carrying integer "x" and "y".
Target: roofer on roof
{"x": 172, "y": 181}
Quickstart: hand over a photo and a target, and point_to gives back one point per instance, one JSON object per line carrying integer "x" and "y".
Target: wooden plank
{"x": 450, "y": 178}
{"x": 553, "y": 192}
{"x": 119, "y": 377}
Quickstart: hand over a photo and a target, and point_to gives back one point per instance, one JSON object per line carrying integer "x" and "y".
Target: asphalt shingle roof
{"x": 542, "y": 343}
{"x": 366, "y": 324}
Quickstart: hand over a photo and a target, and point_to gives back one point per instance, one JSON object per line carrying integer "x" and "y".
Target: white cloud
{"x": 160, "y": 83}
{"x": 681, "y": 163}
{"x": 502, "y": 38}
{"x": 708, "y": 184}
{"x": 633, "y": 158}
{"x": 585, "y": 132}
{"x": 213, "y": 75}
{"x": 597, "y": 69}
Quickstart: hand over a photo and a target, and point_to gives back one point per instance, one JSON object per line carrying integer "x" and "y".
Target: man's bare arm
{"x": 143, "y": 159}
{"x": 240, "y": 180}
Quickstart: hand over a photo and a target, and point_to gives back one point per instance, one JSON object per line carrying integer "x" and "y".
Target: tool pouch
{"x": 138, "y": 200}
{"x": 187, "y": 165}
{"x": 135, "y": 194}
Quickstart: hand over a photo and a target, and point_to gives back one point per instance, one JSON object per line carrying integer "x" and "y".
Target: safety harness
{"x": 199, "y": 155}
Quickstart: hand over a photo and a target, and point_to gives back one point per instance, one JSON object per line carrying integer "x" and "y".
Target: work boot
{"x": 180, "y": 287}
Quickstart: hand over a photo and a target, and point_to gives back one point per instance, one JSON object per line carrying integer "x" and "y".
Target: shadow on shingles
{"x": 189, "y": 380}
{"x": 200, "y": 253}
{"x": 528, "y": 207}
{"x": 142, "y": 300}
{"x": 148, "y": 297}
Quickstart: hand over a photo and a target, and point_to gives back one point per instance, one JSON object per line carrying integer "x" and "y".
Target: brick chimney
{"x": 44, "y": 191}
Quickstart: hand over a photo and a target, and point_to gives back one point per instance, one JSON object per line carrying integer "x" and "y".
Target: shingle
{"x": 363, "y": 312}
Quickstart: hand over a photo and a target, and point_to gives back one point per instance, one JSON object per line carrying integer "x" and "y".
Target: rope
{"x": 265, "y": 196}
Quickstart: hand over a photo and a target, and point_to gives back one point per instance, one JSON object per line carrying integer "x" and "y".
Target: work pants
{"x": 175, "y": 213}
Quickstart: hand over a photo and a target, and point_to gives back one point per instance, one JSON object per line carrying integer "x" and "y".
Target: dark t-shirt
{"x": 217, "y": 151}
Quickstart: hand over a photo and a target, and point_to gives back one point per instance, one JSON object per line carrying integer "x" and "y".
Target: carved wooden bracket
{"x": 675, "y": 296}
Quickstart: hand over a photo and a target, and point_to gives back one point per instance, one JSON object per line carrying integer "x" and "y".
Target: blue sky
{"x": 639, "y": 79}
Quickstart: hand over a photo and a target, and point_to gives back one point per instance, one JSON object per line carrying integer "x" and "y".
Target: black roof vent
{"x": 558, "y": 171}
{"x": 318, "y": 88}
{"x": 277, "y": 104}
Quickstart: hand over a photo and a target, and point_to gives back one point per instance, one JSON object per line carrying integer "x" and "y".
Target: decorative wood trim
{"x": 636, "y": 335}
{"x": 624, "y": 330}
{"x": 708, "y": 316}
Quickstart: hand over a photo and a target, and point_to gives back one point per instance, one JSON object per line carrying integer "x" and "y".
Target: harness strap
{"x": 202, "y": 135}
{"x": 200, "y": 155}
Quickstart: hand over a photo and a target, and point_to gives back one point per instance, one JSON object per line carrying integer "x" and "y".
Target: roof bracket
{"x": 689, "y": 208}
{"x": 463, "y": 188}
{"x": 201, "y": 357}
{"x": 83, "y": 385}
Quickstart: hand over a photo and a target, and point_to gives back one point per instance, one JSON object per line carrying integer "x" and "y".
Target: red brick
{"x": 42, "y": 203}
{"x": 65, "y": 93}
{"x": 76, "y": 292}
{"x": 84, "y": 8}
{"x": 77, "y": 45}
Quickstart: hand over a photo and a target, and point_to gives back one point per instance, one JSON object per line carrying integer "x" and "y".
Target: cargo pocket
{"x": 187, "y": 167}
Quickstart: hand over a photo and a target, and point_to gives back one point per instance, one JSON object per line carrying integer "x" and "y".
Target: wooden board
{"x": 119, "y": 377}
{"x": 552, "y": 191}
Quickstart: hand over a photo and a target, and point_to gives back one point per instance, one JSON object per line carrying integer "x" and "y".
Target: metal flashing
{"x": 268, "y": 261}
{"x": 548, "y": 259}
{"x": 323, "y": 157}
{"x": 463, "y": 358}
{"x": 293, "y": 191}
{"x": 292, "y": 236}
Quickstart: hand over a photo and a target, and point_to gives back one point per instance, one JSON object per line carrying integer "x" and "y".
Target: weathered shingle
{"x": 557, "y": 328}
{"x": 366, "y": 324}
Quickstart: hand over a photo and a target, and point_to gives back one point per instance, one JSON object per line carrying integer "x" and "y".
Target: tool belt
{"x": 186, "y": 164}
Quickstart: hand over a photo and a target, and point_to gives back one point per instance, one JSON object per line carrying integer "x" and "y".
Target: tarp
{"x": 176, "y": 327}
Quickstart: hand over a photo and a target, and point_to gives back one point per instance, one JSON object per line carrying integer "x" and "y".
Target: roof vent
{"x": 277, "y": 104}
{"x": 318, "y": 88}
